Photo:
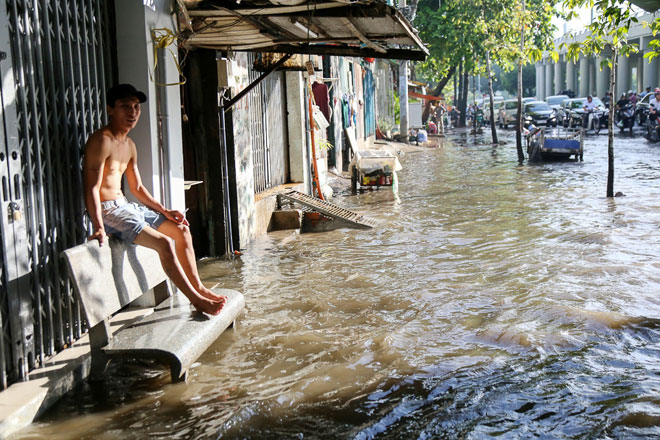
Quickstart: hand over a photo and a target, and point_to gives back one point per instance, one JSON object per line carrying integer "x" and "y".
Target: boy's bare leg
{"x": 162, "y": 244}
{"x": 186, "y": 254}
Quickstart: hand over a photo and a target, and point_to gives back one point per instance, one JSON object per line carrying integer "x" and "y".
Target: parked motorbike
{"x": 626, "y": 117}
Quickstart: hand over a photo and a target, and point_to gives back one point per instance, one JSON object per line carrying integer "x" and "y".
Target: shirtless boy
{"x": 111, "y": 154}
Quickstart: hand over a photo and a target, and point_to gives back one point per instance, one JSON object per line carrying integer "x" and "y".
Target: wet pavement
{"x": 494, "y": 300}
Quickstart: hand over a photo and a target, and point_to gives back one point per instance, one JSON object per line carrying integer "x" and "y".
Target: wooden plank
{"x": 355, "y": 31}
{"x": 336, "y": 50}
{"x": 246, "y": 31}
{"x": 267, "y": 11}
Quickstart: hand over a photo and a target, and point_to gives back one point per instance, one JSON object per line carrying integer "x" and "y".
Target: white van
{"x": 506, "y": 113}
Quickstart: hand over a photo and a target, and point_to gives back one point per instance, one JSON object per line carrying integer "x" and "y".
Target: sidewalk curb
{"x": 23, "y": 402}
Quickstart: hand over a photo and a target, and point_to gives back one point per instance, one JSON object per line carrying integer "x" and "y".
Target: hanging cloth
{"x": 322, "y": 98}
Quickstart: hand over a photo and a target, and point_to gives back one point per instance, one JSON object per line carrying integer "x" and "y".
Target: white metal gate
{"x": 56, "y": 57}
{"x": 268, "y": 124}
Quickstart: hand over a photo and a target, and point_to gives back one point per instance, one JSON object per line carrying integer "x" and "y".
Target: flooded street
{"x": 493, "y": 299}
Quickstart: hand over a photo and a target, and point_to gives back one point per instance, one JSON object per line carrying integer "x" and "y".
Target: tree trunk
{"x": 519, "y": 147}
{"x": 610, "y": 126}
{"x": 459, "y": 95}
{"x": 493, "y": 130}
{"x": 443, "y": 82}
{"x": 463, "y": 100}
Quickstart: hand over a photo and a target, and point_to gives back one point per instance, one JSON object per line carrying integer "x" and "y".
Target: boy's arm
{"x": 144, "y": 196}
{"x": 97, "y": 151}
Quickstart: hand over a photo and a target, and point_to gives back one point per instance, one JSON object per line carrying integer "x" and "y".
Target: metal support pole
{"x": 229, "y": 236}
{"x": 163, "y": 130}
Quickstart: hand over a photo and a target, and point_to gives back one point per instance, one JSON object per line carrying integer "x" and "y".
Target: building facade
{"x": 591, "y": 76}
{"x": 57, "y": 59}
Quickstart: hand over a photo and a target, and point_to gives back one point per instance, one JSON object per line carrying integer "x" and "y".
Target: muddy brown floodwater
{"x": 493, "y": 300}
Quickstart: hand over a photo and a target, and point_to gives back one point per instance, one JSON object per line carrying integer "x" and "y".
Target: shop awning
{"x": 343, "y": 28}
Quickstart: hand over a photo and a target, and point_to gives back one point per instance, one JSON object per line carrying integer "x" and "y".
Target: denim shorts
{"x": 126, "y": 220}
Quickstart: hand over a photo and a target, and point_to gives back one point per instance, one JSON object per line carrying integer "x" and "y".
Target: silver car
{"x": 555, "y": 103}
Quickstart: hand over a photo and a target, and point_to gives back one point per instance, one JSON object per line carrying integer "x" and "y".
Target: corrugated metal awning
{"x": 361, "y": 28}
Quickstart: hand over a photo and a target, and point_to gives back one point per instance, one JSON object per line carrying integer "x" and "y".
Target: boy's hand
{"x": 176, "y": 216}
{"x": 99, "y": 235}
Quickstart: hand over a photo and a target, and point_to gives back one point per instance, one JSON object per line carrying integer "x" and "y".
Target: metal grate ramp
{"x": 331, "y": 210}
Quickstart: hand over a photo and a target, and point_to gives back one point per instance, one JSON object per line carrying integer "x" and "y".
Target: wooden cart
{"x": 373, "y": 169}
{"x": 560, "y": 143}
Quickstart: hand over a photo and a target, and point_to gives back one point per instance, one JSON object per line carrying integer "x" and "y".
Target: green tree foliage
{"x": 461, "y": 32}
{"x": 456, "y": 30}
{"x": 508, "y": 81}
{"x": 608, "y": 31}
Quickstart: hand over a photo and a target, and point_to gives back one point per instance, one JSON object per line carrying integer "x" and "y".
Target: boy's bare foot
{"x": 209, "y": 306}
{"x": 208, "y": 293}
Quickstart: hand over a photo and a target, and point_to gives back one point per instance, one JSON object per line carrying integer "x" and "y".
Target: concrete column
{"x": 649, "y": 70}
{"x": 639, "y": 85}
{"x": 584, "y": 76}
{"x": 403, "y": 99}
{"x": 135, "y": 59}
{"x": 571, "y": 82}
{"x": 559, "y": 77}
{"x": 539, "y": 81}
{"x": 542, "y": 80}
{"x": 549, "y": 86}
{"x": 623, "y": 76}
{"x": 602, "y": 77}
{"x": 592, "y": 76}
{"x": 295, "y": 102}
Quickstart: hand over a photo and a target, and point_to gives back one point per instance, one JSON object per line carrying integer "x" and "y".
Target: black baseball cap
{"x": 121, "y": 91}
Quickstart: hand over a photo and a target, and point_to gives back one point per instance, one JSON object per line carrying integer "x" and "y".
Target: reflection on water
{"x": 493, "y": 299}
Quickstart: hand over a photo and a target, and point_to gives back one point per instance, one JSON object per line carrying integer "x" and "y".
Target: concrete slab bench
{"x": 108, "y": 278}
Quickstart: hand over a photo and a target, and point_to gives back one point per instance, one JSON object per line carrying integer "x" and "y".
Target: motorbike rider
{"x": 645, "y": 92}
{"x": 622, "y": 102}
{"x": 654, "y": 111}
{"x": 654, "y": 105}
{"x": 589, "y": 108}
{"x": 654, "y": 102}
{"x": 632, "y": 97}
{"x": 606, "y": 99}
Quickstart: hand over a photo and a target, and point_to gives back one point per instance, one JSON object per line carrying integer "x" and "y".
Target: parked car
{"x": 540, "y": 113}
{"x": 569, "y": 105}
{"x": 555, "y": 103}
{"x": 642, "y": 108}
